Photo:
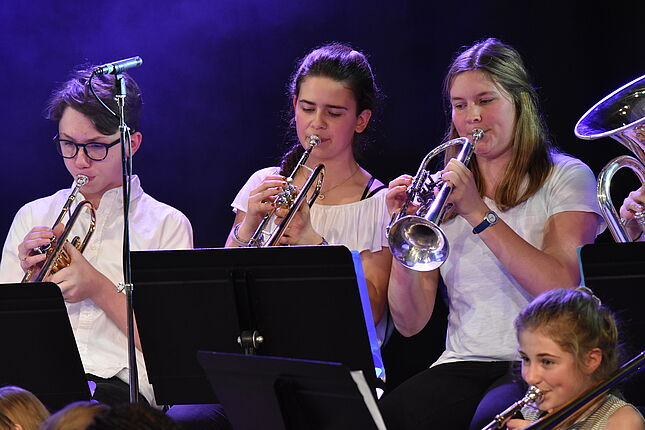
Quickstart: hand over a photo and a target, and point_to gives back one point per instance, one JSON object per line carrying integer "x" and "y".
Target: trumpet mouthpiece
{"x": 314, "y": 140}
{"x": 477, "y": 133}
{"x": 82, "y": 180}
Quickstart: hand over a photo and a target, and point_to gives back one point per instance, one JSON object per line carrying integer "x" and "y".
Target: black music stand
{"x": 306, "y": 302}
{"x": 283, "y": 393}
{"x": 616, "y": 274}
{"x": 39, "y": 351}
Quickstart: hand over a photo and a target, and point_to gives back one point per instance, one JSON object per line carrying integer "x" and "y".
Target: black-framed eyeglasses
{"x": 94, "y": 150}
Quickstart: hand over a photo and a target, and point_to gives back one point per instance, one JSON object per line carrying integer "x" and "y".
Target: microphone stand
{"x": 126, "y": 159}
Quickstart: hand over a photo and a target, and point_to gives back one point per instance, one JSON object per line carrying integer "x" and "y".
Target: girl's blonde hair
{"x": 577, "y": 322}
{"x": 22, "y": 407}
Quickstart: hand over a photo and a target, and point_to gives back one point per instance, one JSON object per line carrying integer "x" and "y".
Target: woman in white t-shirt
{"x": 520, "y": 210}
{"x": 333, "y": 96}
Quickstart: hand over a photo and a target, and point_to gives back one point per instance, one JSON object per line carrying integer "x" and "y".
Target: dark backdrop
{"x": 215, "y": 73}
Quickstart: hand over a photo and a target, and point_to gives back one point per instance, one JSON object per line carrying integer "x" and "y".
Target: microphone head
{"x": 118, "y": 66}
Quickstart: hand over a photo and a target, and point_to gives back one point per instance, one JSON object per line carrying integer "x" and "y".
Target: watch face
{"x": 491, "y": 217}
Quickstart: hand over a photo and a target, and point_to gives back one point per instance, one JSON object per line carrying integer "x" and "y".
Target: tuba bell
{"x": 416, "y": 241}
{"x": 57, "y": 258}
{"x": 621, "y": 116}
{"x": 291, "y": 198}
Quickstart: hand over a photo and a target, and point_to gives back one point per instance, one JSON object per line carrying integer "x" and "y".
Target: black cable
{"x": 89, "y": 83}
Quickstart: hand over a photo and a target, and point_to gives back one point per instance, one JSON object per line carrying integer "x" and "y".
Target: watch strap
{"x": 486, "y": 222}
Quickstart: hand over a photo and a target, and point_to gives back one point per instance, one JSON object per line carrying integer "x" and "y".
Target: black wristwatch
{"x": 490, "y": 218}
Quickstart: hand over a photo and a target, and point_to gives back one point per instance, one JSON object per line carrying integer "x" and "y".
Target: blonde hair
{"x": 577, "y": 322}
{"x": 531, "y": 160}
{"x": 22, "y": 407}
{"x": 6, "y": 423}
{"x": 75, "y": 416}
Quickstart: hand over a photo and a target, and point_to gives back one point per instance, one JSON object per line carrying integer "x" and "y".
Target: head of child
{"x": 77, "y": 415}
{"x": 22, "y": 408}
{"x": 568, "y": 342}
{"x": 341, "y": 97}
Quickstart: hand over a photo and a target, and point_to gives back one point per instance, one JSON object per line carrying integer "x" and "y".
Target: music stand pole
{"x": 126, "y": 159}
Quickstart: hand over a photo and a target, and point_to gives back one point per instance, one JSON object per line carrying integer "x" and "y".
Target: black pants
{"x": 112, "y": 391}
{"x": 458, "y": 396}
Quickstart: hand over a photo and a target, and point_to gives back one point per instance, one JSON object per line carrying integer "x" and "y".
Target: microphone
{"x": 118, "y": 66}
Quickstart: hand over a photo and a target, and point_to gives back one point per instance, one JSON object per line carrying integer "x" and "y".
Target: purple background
{"x": 215, "y": 73}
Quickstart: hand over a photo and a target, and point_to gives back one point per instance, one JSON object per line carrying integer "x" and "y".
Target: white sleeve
{"x": 177, "y": 232}
{"x": 572, "y": 187}
{"x": 242, "y": 198}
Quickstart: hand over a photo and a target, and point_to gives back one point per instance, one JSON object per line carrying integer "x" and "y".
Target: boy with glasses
{"x": 88, "y": 140}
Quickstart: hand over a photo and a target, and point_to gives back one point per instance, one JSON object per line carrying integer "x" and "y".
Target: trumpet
{"x": 532, "y": 396}
{"x": 57, "y": 258}
{"x": 416, "y": 241}
{"x": 290, "y": 198}
{"x": 621, "y": 116}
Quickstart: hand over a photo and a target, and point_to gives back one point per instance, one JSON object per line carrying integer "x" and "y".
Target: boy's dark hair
{"x": 75, "y": 93}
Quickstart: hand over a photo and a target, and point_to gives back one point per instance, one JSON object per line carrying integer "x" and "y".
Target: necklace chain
{"x": 321, "y": 196}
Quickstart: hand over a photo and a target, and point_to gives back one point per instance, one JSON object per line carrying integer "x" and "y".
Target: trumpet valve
{"x": 287, "y": 196}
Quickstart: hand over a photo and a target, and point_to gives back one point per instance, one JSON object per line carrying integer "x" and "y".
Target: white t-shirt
{"x": 483, "y": 298}
{"x": 153, "y": 225}
{"x": 359, "y": 225}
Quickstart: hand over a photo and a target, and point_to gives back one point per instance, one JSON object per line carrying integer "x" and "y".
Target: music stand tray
{"x": 306, "y": 302}
{"x": 283, "y": 393}
{"x": 40, "y": 352}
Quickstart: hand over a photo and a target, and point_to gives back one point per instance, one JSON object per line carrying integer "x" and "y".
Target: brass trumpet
{"x": 290, "y": 198}
{"x": 621, "y": 116}
{"x": 532, "y": 396}
{"x": 57, "y": 257}
{"x": 416, "y": 241}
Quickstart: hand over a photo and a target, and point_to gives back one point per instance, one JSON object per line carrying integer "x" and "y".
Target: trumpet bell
{"x": 418, "y": 244}
{"x": 416, "y": 241}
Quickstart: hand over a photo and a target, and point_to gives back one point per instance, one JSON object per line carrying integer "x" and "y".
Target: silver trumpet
{"x": 621, "y": 116}
{"x": 532, "y": 396}
{"x": 290, "y": 197}
{"x": 416, "y": 241}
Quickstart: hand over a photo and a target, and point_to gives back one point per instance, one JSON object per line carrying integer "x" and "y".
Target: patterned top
{"x": 598, "y": 418}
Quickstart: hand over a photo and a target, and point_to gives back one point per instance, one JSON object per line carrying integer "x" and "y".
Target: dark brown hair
{"x": 76, "y": 94}
{"x": 340, "y": 63}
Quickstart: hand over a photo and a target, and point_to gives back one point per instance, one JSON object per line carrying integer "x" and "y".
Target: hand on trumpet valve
{"x": 262, "y": 199}
{"x": 38, "y": 238}
{"x": 397, "y": 194}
